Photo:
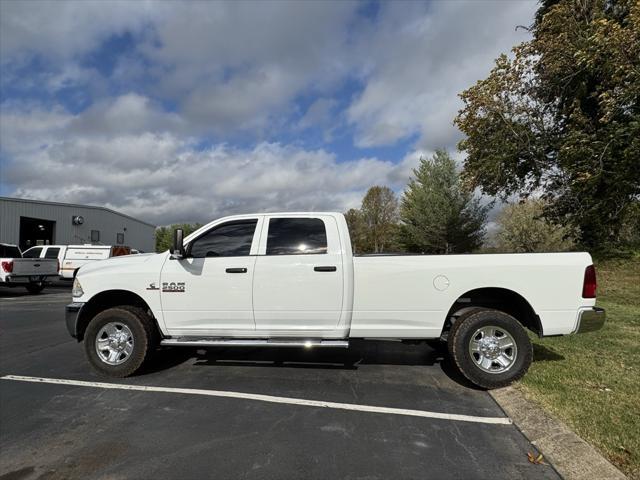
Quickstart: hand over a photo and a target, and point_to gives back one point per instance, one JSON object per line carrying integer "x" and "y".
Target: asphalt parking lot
{"x": 55, "y": 431}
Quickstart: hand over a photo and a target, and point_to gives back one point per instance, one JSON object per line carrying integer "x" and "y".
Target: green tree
{"x": 357, "y": 230}
{"x": 522, "y": 228}
{"x": 437, "y": 214}
{"x": 164, "y": 235}
{"x": 630, "y": 231}
{"x": 562, "y": 117}
{"x": 379, "y": 213}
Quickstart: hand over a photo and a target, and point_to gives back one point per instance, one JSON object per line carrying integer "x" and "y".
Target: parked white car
{"x": 290, "y": 279}
{"x": 72, "y": 257}
{"x": 17, "y": 271}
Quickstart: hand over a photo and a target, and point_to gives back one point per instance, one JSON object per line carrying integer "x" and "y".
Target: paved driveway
{"x": 204, "y": 420}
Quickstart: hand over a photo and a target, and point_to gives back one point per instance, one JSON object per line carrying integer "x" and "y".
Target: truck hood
{"x": 117, "y": 262}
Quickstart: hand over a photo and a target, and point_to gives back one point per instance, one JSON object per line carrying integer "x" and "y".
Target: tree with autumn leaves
{"x": 560, "y": 119}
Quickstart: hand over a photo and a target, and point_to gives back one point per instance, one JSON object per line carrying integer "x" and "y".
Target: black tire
{"x": 465, "y": 329}
{"x": 35, "y": 287}
{"x": 143, "y": 333}
{"x": 456, "y": 325}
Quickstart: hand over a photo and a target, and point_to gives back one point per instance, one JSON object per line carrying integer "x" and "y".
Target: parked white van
{"x": 72, "y": 257}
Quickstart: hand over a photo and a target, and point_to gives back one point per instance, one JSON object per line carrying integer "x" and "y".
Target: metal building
{"x": 33, "y": 222}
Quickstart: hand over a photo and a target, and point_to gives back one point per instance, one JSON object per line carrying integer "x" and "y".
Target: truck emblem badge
{"x": 173, "y": 287}
{"x": 152, "y": 286}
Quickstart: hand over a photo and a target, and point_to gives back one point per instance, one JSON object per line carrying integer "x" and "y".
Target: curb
{"x": 570, "y": 455}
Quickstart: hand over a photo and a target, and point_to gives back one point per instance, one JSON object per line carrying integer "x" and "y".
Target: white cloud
{"x": 239, "y": 66}
{"x": 63, "y": 30}
{"x": 319, "y": 113}
{"x": 230, "y": 66}
{"x": 236, "y": 71}
{"x": 127, "y": 114}
{"x": 420, "y": 58}
{"x": 322, "y": 115}
{"x": 165, "y": 178}
{"x": 25, "y": 126}
{"x": 246, "y": 103}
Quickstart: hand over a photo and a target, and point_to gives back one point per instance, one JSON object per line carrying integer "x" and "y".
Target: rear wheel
{"x": 490, "y": 348}
{"x": 35, "y": 287}
{"x": 459, "y": 321}
{"x": 119, "y": 340}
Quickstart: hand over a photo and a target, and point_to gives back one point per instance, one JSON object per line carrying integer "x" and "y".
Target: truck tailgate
{"x": 34, "y": 267}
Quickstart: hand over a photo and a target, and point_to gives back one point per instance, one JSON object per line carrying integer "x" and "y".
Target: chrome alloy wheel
{"x": 493, "y": 349}
{"x": 114, "y": 343}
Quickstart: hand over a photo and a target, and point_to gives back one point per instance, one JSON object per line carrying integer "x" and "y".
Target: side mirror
{"x": 178, "y": 247}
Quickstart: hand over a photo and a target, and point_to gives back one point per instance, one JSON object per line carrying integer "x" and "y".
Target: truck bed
{"x": 410, "y": 295}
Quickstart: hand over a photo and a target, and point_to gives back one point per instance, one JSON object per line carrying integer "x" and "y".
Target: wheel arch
{"x": 108, "y": 299}
{"x": 497, "y": 298}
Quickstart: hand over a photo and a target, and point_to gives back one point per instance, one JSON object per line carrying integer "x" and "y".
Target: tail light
{"x": 7, "y": 266}
{"x": 590, "y": 284}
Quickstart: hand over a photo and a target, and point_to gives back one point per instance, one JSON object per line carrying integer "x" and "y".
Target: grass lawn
{"x": 592, "y": 381}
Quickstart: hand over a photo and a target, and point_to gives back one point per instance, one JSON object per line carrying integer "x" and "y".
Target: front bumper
{"x": 71, "y": 314}
{"x": 590, "y": 320}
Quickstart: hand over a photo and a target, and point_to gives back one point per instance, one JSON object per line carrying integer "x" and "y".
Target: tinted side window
{"x": 292, "y": 236}
{"x": 7, "y": 251}
{"x": 52, "y": 253}
{"x": 32, "y": 253}
{"x": 228, "y": 240}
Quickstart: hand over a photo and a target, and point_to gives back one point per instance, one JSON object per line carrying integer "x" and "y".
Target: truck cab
{"x": 277, "y": 274}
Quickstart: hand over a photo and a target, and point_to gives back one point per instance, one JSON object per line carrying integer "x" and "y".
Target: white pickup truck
{"x": 72, "y": 257}
{"x": 290, "y": 279}
{"x": 16, "y": 271}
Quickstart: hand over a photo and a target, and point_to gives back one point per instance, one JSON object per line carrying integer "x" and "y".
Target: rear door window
{"x": 52, "y": 253}
{"x": 296, "y": 236}
{"x": 9, "y": 251}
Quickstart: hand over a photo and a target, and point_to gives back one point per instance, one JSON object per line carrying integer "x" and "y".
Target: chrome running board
{"x": 239, "y": 342}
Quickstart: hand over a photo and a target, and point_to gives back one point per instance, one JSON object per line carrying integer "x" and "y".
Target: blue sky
{"x": 185, "y": 111}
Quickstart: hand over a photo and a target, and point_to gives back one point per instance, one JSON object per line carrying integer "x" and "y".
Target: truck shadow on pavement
{"x": 360, "y": 352}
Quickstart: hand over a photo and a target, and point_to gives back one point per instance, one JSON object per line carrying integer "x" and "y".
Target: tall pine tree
{"x": 437, "y": 214}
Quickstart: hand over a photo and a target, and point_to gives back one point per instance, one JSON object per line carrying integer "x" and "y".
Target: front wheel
{"x": 491, "y": 348}
{"x": 119, "y": 340}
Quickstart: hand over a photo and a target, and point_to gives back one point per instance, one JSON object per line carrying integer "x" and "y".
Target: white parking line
{"x": 267, "y": 398}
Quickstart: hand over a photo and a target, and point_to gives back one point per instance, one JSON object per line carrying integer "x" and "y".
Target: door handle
{"x": 325, "y": 269}
{"x": 236, "y": 270}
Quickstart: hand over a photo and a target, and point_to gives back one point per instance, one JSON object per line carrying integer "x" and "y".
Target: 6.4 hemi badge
{"x": 173, "y": 287}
